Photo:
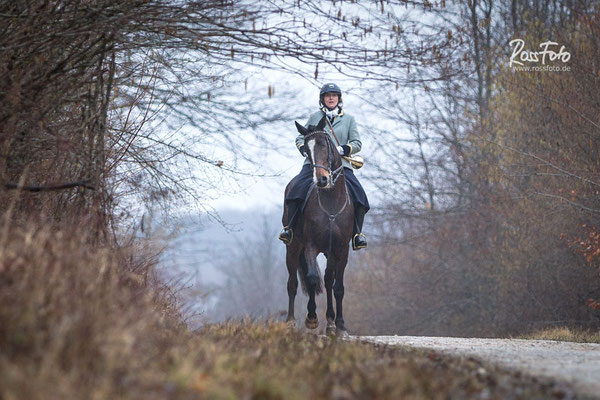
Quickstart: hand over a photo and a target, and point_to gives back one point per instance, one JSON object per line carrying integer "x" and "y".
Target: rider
{"x": 344, "y": 127}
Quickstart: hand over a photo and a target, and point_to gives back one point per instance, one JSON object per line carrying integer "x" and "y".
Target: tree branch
{"x": 58, "y": 186}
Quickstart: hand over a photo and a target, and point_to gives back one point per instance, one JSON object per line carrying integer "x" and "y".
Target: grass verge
{"x": 565, "y": 334}
{"x": 77, "y": 322}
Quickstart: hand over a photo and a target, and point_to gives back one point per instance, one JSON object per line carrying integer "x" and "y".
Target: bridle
{"x": 334, "y": 174}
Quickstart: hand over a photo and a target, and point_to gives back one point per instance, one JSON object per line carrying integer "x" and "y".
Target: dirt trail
{"x": 574, "y": 363}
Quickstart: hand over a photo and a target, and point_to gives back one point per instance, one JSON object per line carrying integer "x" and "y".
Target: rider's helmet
{"x": 330, "y": 88}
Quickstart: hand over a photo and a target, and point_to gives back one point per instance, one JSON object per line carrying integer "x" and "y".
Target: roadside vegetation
{"x": 81, "y": 322}
{"x": 565, "y": 334}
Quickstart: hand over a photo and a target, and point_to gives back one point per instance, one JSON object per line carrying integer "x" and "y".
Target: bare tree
{"x": 86, "y": 86}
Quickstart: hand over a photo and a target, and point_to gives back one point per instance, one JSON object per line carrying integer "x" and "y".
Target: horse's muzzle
{"x": 322, "y": 181}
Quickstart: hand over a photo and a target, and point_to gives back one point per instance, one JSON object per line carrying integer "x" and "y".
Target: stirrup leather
{"x": 355, "y": 246}
{"x": 284, "y": 239}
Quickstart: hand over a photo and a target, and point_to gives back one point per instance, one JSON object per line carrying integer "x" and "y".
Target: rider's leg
{"x": 359, "y": 240}
{"x": 294, "y": 201}
{"x": 293, "y": 212}
{"x": 361, "y": 206}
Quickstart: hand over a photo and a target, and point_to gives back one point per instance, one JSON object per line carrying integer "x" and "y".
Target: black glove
{"x": 303, "y": 151}
{"x": 346, "y": 150}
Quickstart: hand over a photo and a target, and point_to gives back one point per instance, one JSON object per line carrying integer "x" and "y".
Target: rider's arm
{"x": 300, "y": 138}
{"x": 353, "y": 137}
{"x": 300, "y": 143}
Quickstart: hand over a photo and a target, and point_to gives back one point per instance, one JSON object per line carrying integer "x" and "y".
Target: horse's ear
{"x": 301, "y": 129}
{"x": 321, "y": 124}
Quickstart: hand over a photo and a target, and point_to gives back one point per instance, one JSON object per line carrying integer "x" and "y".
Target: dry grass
{"x": 565, "y": 334}
{"x": 76, "y": 323}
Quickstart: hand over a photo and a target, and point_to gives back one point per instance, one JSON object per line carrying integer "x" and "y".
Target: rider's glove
{"x": 302, "y": 151}
{"x": 344, "y": 150}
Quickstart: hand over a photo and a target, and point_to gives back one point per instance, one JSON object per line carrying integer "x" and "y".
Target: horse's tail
{"x": 302, "y": 274}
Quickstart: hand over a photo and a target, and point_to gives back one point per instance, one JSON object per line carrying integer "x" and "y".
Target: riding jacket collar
{"x": 331, "y": 114}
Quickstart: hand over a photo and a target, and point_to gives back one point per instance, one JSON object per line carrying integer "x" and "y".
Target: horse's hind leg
{"x": 292, "y": 261}
{"x": 329, "y": 314}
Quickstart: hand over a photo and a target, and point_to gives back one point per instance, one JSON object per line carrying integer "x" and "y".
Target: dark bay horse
{"x": 325, "y": 227}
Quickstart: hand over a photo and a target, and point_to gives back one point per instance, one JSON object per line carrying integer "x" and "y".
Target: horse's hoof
{"x": 311, "y": 323}
{"x": 342, "y": 333}
{"x": 331, "y": 329}
{"x": 290, "y": 321}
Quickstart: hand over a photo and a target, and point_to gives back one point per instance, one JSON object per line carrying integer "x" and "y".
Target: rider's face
{"x": 331, "y": 100}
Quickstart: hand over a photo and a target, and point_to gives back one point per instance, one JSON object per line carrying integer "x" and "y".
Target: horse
{"x": 325, "y": 227}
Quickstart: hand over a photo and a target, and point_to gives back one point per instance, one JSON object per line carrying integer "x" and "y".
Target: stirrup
{"x": 356, "y": 246}
{"x": 283, "y": 237}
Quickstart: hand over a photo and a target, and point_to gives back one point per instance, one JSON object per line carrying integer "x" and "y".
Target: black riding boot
{"x": 293, "y": 211}
{"x": 359, "y": 240}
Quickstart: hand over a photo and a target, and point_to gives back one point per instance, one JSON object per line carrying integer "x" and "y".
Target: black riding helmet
{"x": 330, "y": 88}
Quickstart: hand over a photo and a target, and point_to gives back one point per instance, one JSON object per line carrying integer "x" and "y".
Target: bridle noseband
{"x": 336, "y": 173}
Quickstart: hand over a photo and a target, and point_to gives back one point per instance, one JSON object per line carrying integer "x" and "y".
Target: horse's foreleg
{"x": 292, "y": 284}
{"x": 330, "y": 314}
{"x": 292, "y": 287}
{"x": 312, "y": 283}
{"x": 338, "y": 291}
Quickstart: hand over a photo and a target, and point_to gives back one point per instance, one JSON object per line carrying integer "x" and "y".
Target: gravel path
{"x": 575, "y": 363}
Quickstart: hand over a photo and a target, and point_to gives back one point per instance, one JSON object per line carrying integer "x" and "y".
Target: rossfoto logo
{"x": 527, "y": 60}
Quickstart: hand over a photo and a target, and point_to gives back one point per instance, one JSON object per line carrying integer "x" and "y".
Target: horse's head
{"x": 322, "y": 153}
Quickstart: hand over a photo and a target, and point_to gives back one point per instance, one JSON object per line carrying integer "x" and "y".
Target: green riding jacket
{"x": 345, "y": 129}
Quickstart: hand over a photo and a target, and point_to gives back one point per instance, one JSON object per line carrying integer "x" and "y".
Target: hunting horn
{"x": 355, "y": 161}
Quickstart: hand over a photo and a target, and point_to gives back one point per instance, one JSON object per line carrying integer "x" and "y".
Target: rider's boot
{"x": 293, "y": 211}
{"x": 359, "y": 240}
